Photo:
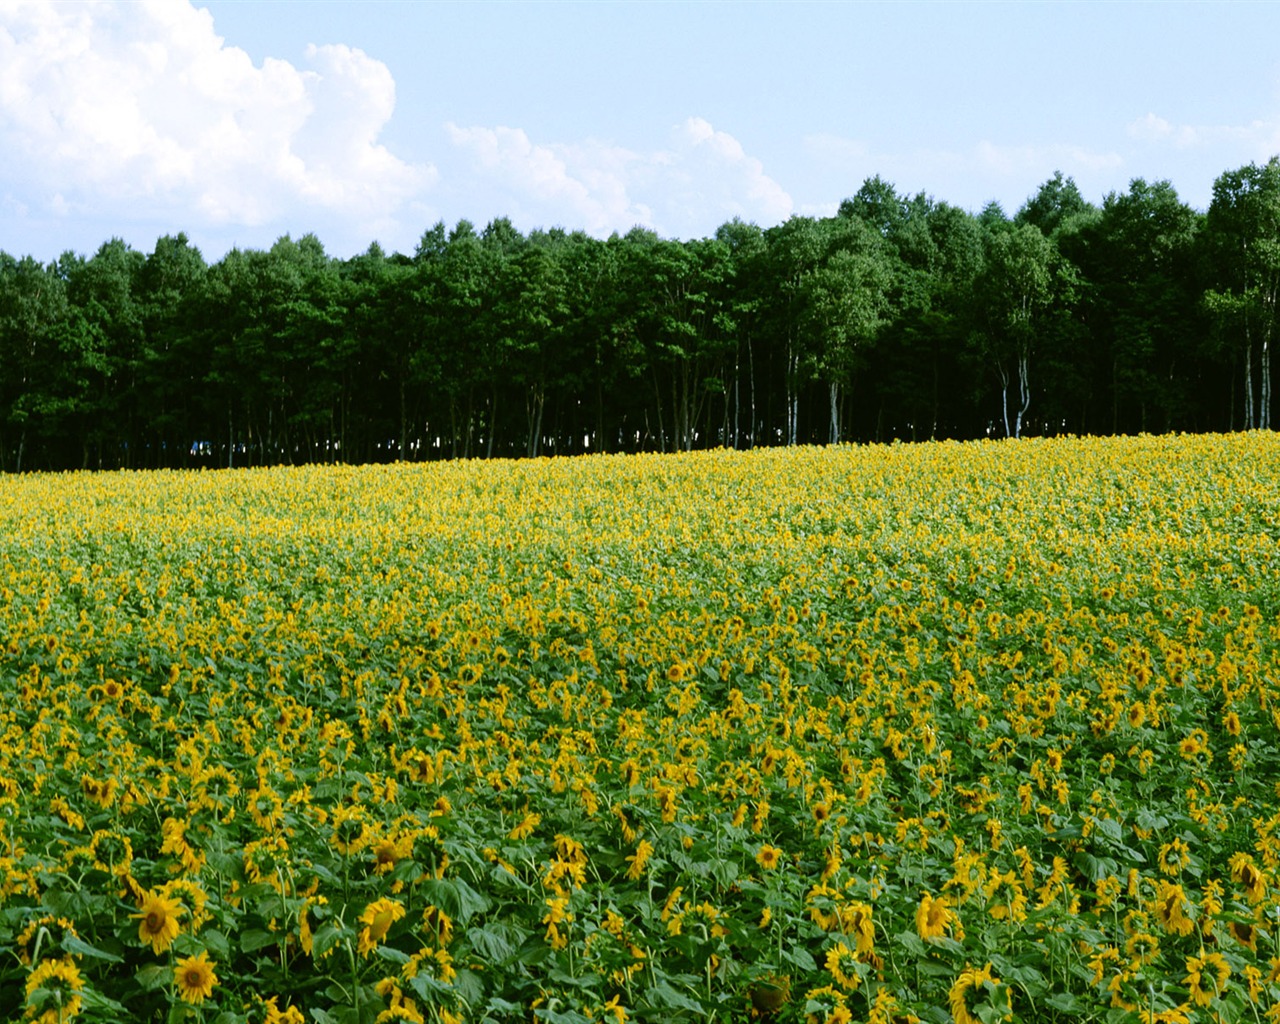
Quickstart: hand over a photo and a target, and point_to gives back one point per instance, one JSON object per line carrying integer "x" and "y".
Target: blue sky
{"x": 239, "y": 121}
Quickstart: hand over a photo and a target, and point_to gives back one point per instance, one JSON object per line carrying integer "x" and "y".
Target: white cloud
{"x": 1259, "y": 137}
{"x": 1016, "y": 160}
{"x": 702, "y": 179}
{"x": 579, "y": 186}
{"x": 969, "y": 176}
{"x": 983, "y": 157}
{"x": 142, "y": 106}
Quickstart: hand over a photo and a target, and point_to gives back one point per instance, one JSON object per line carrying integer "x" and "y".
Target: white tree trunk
{"x": 1004, "y": 396}
{"x": 1024, "y": 392}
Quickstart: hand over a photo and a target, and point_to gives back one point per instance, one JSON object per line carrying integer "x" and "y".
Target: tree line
{"x": 900, "y": 317}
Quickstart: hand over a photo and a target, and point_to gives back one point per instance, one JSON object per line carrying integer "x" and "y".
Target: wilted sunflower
{"x": 194, "y": 978}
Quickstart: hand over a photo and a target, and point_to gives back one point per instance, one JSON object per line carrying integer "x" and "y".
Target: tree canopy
{"x": 898, "y": 317}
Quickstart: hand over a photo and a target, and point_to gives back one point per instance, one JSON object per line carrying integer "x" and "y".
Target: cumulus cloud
{"x": 686, "y": 189}
{"x": 581, "y": 186}
{"x": 143, "y": 105}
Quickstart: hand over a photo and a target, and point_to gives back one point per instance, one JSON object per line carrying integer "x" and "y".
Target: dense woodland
{"x": 900, "y": 317}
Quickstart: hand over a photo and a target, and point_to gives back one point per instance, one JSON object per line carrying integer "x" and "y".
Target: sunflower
{"x": 439, "y": 924}
{"x": 351, "y": 832}
{"x": 1173, "y": 1015}
{"x": 933, "y": 917}
{"x": 389, "y": 851}
{"x": 857, "y": 920}
{"x": 1142, "y": 947}
{"x": 194, "y": 978}
{"x": 1218, "y": 970}
{"x": 158, "y": 921}
{"x": 112, "y": 852}
{"x": 1245, "y": 934}
{"x": 377, "y": 918}
{"x": 275, "y": 1015}
{"x": 639, "y": 859}
{"x": 527, "y": 824}
{"x": 1171, "y": 909}
{"x": 306, "y": 935}
{"x": 1173, "y": 857}
{"x": 1246, "y": 872}
{"x": 53, "y": 991}
{"x": 969, "y": 981}
{"x": 837, "y": 955}
{"x": 769, "y": 857}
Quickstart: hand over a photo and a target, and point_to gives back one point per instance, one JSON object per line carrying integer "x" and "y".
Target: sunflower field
{"x": 954, "y": 732}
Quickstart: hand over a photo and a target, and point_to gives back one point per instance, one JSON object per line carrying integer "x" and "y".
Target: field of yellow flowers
{"x": 942, "y": 733}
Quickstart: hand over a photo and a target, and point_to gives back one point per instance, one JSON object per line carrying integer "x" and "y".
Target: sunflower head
{"x": 377, "y": 919}
{"x": 769, "y": 857}
{"x": 933, "y": 917}
{"x": 194, "y": 978}
{"x": 158, "y": 920}
{"x": 53, "y": 991}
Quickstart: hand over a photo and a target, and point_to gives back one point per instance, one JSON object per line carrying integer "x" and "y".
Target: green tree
{"x": 106, "y": 351}
{"x": 172, "y": 365}
{"x": 679, "y": 317}
{"x": 1054, "y": 206}
{"x": 746, "y": 301}
{"x": 34, "y": 315}
{"x": 1016, "y": 288}
{"x": 1244, "y": 236}
{"x": 846, "y": 299}
{"x": 1137, "y": 258}
{"x": 796, "y": 248}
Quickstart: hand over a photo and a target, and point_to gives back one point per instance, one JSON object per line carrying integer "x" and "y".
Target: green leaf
{"x": 1110, "y": 828}
{"x": 181, "y": 1012}
{"x": 75, "y": 944}
{"x": 801, "y": 957}
{"x": 561, "y": 1016}
{"x": 468, "y": 987}
{"x": 256, "y": 938}
{"x": 326, "y": 937}
{"x": 455, "y": 898}
{"x": 153, "y": 977}
{"x": 663, "y": 994}
{"x": 216, "y": 943}
{"x": 95, "y": 1000}
{"x": 1066, "y": 1003}
{"x": 493, "y": 942}
{"x": 912, "y": 943}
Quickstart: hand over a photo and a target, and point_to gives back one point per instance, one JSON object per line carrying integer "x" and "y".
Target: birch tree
{"x": 1244, "y": 225}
